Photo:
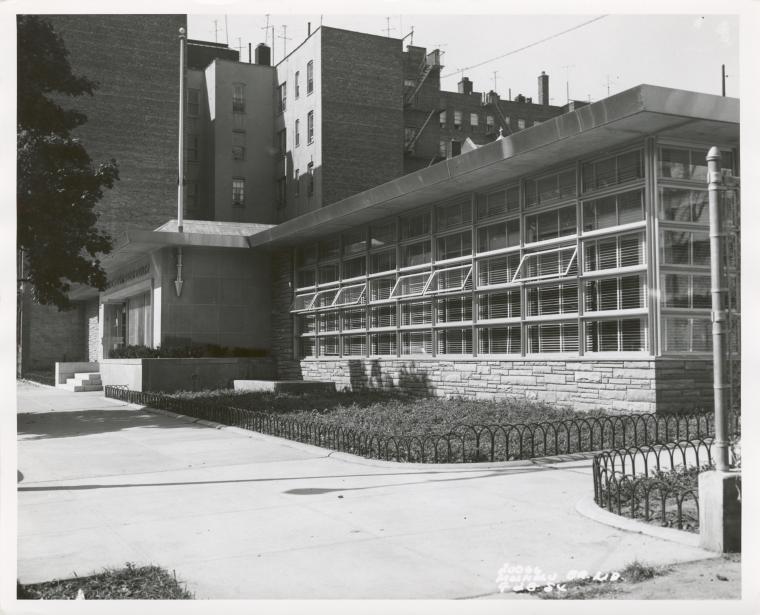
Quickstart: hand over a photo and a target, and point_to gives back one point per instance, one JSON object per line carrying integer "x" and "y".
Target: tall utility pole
{"x": 495, "y": 80}
{"x": 610, "y": 82}
{"x": 216, "y": 30}
{"x": 181, "y": 156}
{"x": 718, "y": 294}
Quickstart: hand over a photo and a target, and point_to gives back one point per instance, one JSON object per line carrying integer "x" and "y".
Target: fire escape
{"x": 431, "y": 62}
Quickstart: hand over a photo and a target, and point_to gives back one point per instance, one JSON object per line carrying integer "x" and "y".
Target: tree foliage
{"x": 58, "y": 185}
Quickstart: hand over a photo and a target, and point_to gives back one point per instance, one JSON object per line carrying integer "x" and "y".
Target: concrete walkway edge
{"x": 589, "y": 508}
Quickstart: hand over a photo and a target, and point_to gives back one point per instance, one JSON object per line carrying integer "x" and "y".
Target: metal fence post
{"x": 718, "y": 295}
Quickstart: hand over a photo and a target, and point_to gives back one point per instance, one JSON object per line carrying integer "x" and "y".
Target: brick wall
{"x": 134, "y": 113}
{"x": 362, "y": 112}
{"x": 50, "y": 336}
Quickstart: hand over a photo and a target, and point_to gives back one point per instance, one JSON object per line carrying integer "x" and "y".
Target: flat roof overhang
{"x": 609, "y": 123}
{"x": 135, "y": 244}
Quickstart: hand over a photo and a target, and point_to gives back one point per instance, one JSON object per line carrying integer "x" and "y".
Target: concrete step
{"x": 80, "y": 388}
{"x": 83, "y": 381}
{"x": 87, "y": 376}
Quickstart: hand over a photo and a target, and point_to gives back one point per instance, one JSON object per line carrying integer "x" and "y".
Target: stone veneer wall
{"x": 583, "y": 384}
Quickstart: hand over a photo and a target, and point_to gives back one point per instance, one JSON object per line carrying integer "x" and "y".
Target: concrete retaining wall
{"x": 169, "y": 375}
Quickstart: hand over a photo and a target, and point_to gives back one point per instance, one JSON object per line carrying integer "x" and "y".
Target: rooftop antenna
{"x": 216, "y": 30}
{"x": 388, "y": 28}
{"x": 285, "y": 38}
{"x": 266, "y": 30}
{"x": 567, "y": 68}
{"x": 610, "y": 82}
{"x": 239, "y": 45}
{"x": 226, "y": 30}
{"x": 495, "y": 79}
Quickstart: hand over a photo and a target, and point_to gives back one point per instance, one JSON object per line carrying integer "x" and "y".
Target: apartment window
{"x": 282, "y": 141}
{"x": 613, "y": 210}
{"x": 614, "y": 253}
{"x": 238, "y": 98}
{"x": 281, "y": 190}
{"x": 498, "y": 270}
{"x": 553, "y": 337}
{"x": 628, "y": 335}
{"x": 310, "y": 77}
{"x": 499, "y": 305}
{"x": 552, "y": 299}
{"x": 310, "y": 176}
{"x": 409, "y": 132}
{"x": 442, "y": 118}
{"x": 193, "y": 102}
{"x": 238, "y": 145}
{"x": 297, "y": 183}
{"x": 382, "y": 234}
{"x": 238, "y": 192}
{"x": 489, "y": 123}
{"x": 454, "y": 341}
{"x": 443, "y": 149}
{"x": 499, "y": 340}
{"x": 684, "y": 205}
{"x": 613, "y": 170}
{"x": 556, "y": 186}
{"x": 520, "y": 123}
{"x": 550, "y": 224}
{"x": 681, "y": 290}
{"x": 474, "y": 120}
{"x": 282, "y": 97}
{"x": 191, "y": 147}
{"x": 310, "y": 127}
{"x": 498, "y": 236}
{"x": 452, "y": 216}
{"x": 297, "y": 84}
{"x": 499, "y": 203}
{"x": 297, "y": 135}
{"x": 620, "y": 293}
{"x": 457, "y": 120}
{"x": 684, "y": 248}
{"x": 415, "y": 225}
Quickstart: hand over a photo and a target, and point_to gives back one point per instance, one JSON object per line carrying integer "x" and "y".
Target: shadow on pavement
{"x": 69, "y": 424}
{"x": 468, "y": 475}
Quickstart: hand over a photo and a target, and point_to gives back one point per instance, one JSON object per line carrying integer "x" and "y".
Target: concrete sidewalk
{"x": 250, "y": 516}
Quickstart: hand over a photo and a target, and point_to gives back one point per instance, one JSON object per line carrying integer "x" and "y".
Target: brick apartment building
{"x": 333, "y": 224}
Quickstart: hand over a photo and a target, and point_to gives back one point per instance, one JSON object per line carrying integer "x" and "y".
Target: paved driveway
{"x": 249, "y": 516}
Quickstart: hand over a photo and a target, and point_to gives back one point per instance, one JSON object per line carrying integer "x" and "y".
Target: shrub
{"x": 186, "y": 351}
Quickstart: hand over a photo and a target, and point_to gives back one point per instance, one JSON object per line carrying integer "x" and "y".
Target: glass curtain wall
{"x": 551, "y": 264}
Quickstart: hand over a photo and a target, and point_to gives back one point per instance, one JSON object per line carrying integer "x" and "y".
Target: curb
{"x": 588, "y": 508}
{"x": 538, "y": 463}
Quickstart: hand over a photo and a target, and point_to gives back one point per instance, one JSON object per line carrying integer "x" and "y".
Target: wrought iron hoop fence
{"x": 654, "y": 483}
{"x": 462, "y": 444}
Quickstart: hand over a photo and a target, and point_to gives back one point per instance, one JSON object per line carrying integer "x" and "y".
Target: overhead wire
{"x": 524, "y": 47}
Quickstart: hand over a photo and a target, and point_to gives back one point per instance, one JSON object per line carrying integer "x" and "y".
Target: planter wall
{"x": 169, "y": 375}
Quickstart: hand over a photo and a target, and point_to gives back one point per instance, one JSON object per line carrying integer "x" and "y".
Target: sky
{"x": 610, "y": 54}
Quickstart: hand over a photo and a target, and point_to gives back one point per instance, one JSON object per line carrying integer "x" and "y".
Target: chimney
{"x": 465, "y": 86}
{"x": 543, "y": 88}
{"x": 308, "y": 28}
{"x": 492, "y": 98}
{"x": 263, "y": 54}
